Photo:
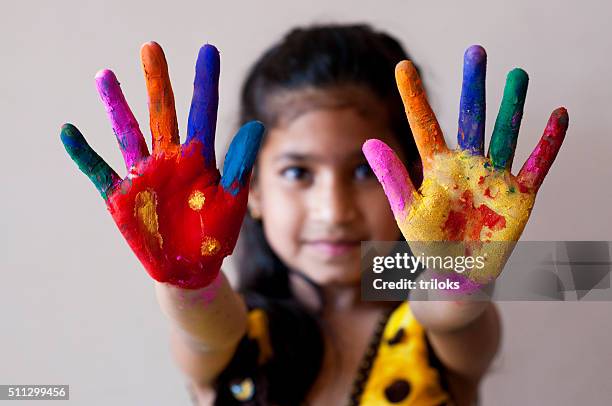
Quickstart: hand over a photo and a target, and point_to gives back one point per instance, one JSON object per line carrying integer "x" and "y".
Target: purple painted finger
{"x": 391, "y": 174}
{"x": 131, "y": 142}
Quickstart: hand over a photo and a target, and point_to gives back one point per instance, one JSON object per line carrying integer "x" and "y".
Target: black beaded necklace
{"x": 366, "y": 362}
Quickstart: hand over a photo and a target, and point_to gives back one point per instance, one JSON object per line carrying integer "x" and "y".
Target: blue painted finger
{"x": 472, "y": 109}
{"x": 203, "y": 112}
{"x": 241, "y": 156}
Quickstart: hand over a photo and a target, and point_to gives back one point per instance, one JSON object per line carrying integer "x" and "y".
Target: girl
{"x": 295, "y": 331}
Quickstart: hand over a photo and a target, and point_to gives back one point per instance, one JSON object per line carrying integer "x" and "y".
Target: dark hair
{"x": 321, "y": 57}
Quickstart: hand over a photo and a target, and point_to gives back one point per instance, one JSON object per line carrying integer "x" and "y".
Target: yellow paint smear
{"x": 210, "y": 246}
{"x": 145, "y": 210}
{"x": 196, "y": 200}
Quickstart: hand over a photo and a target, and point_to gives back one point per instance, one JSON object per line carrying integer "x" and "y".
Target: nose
{"x": 333, "y": 201}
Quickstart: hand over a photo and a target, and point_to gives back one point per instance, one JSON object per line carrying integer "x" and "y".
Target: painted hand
{"x": 465, "y": 196}
{"x": 179, "y": 216}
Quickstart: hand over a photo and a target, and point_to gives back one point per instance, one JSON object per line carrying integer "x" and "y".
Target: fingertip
{"x": 561, "y": 114}
{"x": 106, "y": 81}
{"x": 208, "y": 61}
{"x": 405, "y": 69}
{"x": 403, "y": 65}
{"x": 150, "y": 52}
{"x": 391, "y": 173}
{"x": 105, "y": 74}
{"x": 149, "y": 46}
{"x": 255, "y": 125}
{"x": 560, "y": 118}
{"x": 407, "y": 79}
{"x": 209, "y": 50}
{"x": 72, "y": 138}
{"x": 67, "y": 127}
{"x": 368, "y": 147}
{"x": 247, "y": 141}
{"x": 518, "y": 76}
{"x": 475, "y": 54}
{"x": 381, "y": 158}
{"x": 241, "y": 156}
{"x": 373, "y": 148}
{"x": 69, "y": 132}
{"x": 253, "y": 132}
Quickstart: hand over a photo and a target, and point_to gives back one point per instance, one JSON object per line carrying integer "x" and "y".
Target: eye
{"x": 295, "y": 173}
{"x": 363, "y": 171}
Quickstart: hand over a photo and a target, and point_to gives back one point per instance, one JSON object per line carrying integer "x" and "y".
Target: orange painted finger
{"x": 423, "y": 123}
{"x": 162, "y": 114}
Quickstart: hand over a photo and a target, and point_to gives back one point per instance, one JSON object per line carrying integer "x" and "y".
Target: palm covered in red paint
{"x": 466, "y": 196}
{"x": 179, "y": 216}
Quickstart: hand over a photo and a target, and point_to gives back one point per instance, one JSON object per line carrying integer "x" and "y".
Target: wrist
{"x": 211, "y": 316}
{"x": 184, "y": 274}
{"x": 448, "y": 316}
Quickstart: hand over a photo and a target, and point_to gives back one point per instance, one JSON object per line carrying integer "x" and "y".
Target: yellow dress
{"x": 401, "y": 372}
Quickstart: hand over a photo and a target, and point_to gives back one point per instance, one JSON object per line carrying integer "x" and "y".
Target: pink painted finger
{"x": 392, "y": 175}
{"x": 536, "y": 167}
{"x": 130, "y": 138}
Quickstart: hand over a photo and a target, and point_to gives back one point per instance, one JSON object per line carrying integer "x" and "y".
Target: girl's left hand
{"x": 466, "y": 196}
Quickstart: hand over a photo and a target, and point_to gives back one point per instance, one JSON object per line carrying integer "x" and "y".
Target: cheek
{"x": 379, "y": 217}
{"x": 282, "y": 216}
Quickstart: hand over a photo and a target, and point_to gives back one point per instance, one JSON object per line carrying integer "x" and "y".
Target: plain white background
{"x": 77, "y": 308}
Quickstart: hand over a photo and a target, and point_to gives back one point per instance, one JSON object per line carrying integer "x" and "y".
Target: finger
{"x": 536, "y": 167}
{"x": 392, "y": 175}
{"x": 423, "y": 123}
{"x": 203, "y": 113}
{"x": 240, "y": 157}
{"x": 505, "y": 132}
{"x": 473, "y": 102}
{"x": 89, "y": 162}
{"x": 131, "y": 142}
{"x": 162, "y": 115}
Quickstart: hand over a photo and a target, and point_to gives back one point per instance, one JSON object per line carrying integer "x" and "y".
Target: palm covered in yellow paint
{"x": 463, "y": 198}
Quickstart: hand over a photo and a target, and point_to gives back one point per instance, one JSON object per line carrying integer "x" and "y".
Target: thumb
{"x": 241, "y": 156}
{"x": 392, "y": 175}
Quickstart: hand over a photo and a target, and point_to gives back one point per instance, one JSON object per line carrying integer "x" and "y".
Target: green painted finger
{"x": 89, "y": 162}
{"x": 508, "y": 122}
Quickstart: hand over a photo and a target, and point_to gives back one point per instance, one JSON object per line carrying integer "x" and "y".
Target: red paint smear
{"x": 455, "y": 225}
{"x": 491, "y": 219}
{"x": 537, "y": 165}
{"x": 487, "y": 193}
{"x": 481, "y": 180}
{"x": 173, "y": 179}
{"x": 467, "y": 221}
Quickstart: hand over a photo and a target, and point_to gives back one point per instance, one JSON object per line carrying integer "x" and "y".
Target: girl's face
{"x": 316, "y": 194}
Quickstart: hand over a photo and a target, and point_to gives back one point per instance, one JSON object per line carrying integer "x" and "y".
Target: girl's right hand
{"x": 179, "y": 216}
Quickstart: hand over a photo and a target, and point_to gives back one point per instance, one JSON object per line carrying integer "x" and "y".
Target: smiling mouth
{"x": 334, "y": 248}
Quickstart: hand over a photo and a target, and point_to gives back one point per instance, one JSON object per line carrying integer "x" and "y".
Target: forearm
{"x": 210, "y": 318}
{"x": 465, "y": 336}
